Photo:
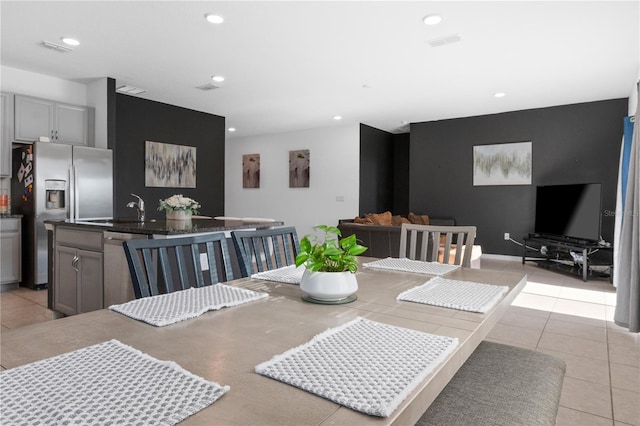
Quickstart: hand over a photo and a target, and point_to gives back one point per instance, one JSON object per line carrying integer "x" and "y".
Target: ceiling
{"x": 295, "y": 65}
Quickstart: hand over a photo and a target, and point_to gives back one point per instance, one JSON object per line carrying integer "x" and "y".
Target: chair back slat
{"x": 265, "y": 249}
{"x": 160, "y": 266}
{"x": 456, "y": 242}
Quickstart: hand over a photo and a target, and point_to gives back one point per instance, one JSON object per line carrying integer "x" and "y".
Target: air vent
{"x": 130, "y": 90}
{"x": 56, "y": 47}
{"x": 437, "y": 42}
{"x": 208, "y": 86}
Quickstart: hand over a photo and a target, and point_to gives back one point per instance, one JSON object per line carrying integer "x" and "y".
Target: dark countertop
{"x": 10, "y": 216}
{"x": 164, "y": 227}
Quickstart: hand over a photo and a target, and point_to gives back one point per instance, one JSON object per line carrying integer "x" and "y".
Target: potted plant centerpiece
{"x": 330, "y": 264}
{"x": 179, "y": 207}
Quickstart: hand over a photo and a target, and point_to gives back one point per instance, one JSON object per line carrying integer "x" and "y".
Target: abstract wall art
{"x": 251, "y": 171}
{"x": 502, "y": 164}
{"x": 170, "y": 166}
{"x": 299, "y": 169}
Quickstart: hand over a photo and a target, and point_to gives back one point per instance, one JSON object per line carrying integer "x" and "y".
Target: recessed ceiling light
{"x": 214, "y": 19}
{"x": 433, "y": 19}
{"x": 70, "y": 41}
{"x": 404, "y": 122}
{"x": 499, "y": 95}
{"x": 217, "y": 78}
{"x": 231, "y": 129}
{"x": 337, "y": 117}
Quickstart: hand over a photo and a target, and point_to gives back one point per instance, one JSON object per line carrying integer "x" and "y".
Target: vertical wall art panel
{"x": 251, "y": 171}
{"x": 502, "y": 164}
{"x": 168, "y": 165}
{"x": 299, "y": 169}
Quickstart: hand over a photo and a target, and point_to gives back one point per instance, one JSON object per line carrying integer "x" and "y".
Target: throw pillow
{"x": 398, "y": 220}
{"x": 380, "y": 218}
{"x": 418, "y": 219}
{"x": 363, "y": 220}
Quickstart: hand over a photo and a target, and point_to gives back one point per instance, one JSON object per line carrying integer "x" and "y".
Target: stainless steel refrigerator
{"x": 56, "y": 182}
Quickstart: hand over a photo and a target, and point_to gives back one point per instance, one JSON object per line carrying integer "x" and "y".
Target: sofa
{"x": 383, "y": 237}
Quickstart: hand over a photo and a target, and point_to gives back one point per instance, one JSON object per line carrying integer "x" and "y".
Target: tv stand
{"x": 559, "y": 252}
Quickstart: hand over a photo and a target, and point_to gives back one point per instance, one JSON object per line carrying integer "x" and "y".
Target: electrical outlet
{"x": 506, "y": 236}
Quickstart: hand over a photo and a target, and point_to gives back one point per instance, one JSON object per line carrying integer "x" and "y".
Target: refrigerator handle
{"x": 72, "y": 191}
{"x": 76, "y": 194}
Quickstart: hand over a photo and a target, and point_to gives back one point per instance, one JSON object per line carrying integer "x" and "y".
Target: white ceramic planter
{"x": 329, "y": 286}
{"x": 178, "y": 215}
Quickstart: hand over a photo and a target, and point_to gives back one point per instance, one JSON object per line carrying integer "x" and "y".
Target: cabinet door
{"x": 10, "y": 251}
{"x": 65, "y": 296}
{"x": 90, "y": 281}
{"x": 6, "y": 133}
{"x": 71, "y": 124}
{"x": 33, "y": 118}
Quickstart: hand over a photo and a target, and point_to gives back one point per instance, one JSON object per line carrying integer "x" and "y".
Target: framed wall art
{"x": 251, "y": 171}
{"x": 502, "y": 164}
{"x": 170, "y": 166}
{"x": 299, "y": 169}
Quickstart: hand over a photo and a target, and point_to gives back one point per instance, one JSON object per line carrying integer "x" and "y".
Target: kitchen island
{"x": 86, "y": 264}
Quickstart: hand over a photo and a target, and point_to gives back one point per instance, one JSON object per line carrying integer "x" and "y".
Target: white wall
{"x": 335, "y": 172}
{"x": 42, "y": 86}
{"x": 97, "y": 98}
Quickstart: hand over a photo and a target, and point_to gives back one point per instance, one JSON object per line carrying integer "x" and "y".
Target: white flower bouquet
{"x": 179, "y": 203}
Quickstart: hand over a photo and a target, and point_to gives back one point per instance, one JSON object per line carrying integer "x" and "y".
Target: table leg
{"x": 585, "y": 265}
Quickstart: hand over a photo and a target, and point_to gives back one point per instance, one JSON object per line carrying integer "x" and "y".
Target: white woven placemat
{"x": 178, "y": 306}
{"x": 461, "y": 295}
{"x": 287, "y": 274}
{"x": 107, "y": 383}
{"x": 364, "y": 365}
{"x": 409, "y": 265}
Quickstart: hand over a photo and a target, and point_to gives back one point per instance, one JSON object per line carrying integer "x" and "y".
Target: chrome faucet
{"x": 139, "y": 205}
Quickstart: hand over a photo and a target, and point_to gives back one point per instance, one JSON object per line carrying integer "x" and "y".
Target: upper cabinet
{"x": 6, "y": 132}
{"x": 62, "y": 123}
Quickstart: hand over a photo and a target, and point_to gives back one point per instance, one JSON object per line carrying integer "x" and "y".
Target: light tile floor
{"x": 557, "y": 314}
{"x": 561, "y": 315}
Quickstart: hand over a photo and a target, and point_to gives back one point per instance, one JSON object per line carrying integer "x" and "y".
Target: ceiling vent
{"x": 437, "y": 42}
{"x": 130, "y": 90}
{"x": 54, "y": 46}
{"x": 208, "y": 86}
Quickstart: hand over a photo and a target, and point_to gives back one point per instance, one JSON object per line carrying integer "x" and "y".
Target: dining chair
{"x": 265, "y": 249}
{"x": 437, "y": 243}
{"x": 160, "y": 266}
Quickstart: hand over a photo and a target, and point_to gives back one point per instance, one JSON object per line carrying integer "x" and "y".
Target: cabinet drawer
{"x": 81, "y": 239}
{"x": 9, "y": 225}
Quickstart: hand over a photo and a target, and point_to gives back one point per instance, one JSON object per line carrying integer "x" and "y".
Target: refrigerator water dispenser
{"x": 54, "y": 193}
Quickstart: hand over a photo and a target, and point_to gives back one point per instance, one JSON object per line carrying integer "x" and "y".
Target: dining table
{"x": 224, "y": 346}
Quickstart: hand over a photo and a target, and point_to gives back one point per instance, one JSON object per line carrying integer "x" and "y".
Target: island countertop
{"x": 165, "y": 227}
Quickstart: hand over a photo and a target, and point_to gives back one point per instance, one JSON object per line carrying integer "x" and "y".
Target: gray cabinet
{"x": 6, "y": 132}
{"x": 10, "y": 250}
{"x": 63, "y": 123}
{"x": 78, "y": 271}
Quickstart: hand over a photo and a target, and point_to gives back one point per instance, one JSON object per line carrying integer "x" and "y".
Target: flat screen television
{"x": 570, "y": 211}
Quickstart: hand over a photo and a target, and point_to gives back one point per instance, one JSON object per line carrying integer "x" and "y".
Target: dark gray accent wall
{"x": 401, "y": 174}
{"x": 577, "y": 143}
{"x": 139, "y": 120}
{"x": 376, "y": 170}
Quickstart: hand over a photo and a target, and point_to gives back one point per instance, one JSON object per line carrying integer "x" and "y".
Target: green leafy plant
{"x": 330, "y": 253}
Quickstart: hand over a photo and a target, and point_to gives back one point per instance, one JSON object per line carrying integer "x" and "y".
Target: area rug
{"x": 287, "y": 274}
{"x": 454, "y": 294}
{"x": 365, "y": 365}
{"x": 107, "y": 383}
{"x": 409, "y": 265}
{"x": 178, "y": 306}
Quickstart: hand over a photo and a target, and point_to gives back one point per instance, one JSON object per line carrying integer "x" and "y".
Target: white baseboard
{"x": 501, "y": 257}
